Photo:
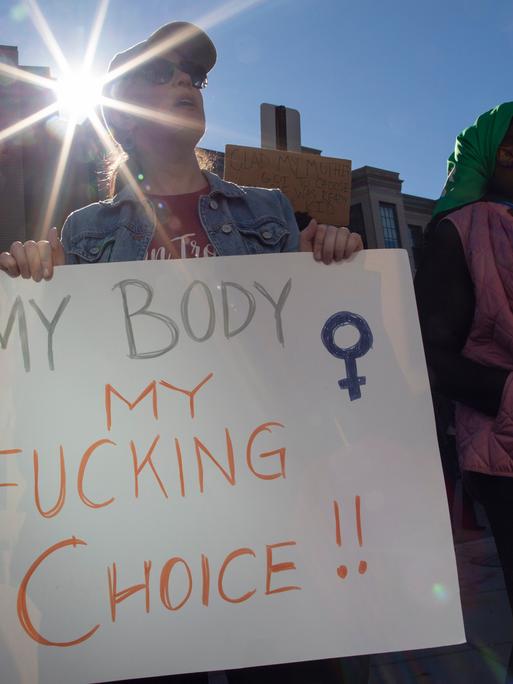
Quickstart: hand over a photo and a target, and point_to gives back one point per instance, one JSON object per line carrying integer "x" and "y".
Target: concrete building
{"x": 384, "y": 216}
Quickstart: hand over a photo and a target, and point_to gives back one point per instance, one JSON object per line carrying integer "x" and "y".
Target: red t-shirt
{"x": 179, "y": 233}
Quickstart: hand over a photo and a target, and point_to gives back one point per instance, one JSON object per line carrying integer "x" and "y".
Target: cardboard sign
{"x": 319, "y": 186}
{"x": 217, "y": 463}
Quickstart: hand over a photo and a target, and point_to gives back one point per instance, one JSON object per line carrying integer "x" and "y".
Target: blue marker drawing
{"x": 353, "y": 381}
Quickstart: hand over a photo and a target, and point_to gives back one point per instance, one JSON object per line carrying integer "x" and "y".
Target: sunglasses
{"x": 160, "y": 71}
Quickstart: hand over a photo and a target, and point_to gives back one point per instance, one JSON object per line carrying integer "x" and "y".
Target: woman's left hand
{"x": 329, "y": 243}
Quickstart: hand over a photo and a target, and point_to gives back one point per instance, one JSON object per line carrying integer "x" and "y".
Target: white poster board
{"x": 246, "y": 510}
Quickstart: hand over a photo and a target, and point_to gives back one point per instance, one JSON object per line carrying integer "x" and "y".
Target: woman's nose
{"x": 182, "y": 79}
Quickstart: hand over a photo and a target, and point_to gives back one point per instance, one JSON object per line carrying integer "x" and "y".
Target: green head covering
{"x": 471, "y": 165}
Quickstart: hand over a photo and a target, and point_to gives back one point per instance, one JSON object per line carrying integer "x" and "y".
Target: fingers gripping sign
{"x": 8, "y": 263}
{"x": 352, "y": 381}
{"x": 34, "y": 259}
{"x": 329, "y": 243}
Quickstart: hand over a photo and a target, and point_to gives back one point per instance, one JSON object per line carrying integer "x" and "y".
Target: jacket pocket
{"x": 92, "y": 248}
{"x": 266, "y": 234}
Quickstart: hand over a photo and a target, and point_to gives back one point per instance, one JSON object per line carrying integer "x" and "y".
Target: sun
{"x": 78, "y": 95}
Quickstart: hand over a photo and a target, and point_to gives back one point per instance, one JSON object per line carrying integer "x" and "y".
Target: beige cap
{"x": 188, "y": 39}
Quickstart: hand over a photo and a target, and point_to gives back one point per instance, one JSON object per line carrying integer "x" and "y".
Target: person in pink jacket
{"x": 465, "y": 298}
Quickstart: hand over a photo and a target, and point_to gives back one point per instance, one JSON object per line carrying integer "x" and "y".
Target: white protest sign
{"x": 217, "y": 463}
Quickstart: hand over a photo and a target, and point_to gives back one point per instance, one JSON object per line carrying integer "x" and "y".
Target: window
{"x": 389, "y": 224}
{"x": 417, "y": 243}
{"x": 356, "y": 222}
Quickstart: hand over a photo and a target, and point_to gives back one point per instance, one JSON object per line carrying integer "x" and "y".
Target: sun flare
{"x": 78, "y": 95}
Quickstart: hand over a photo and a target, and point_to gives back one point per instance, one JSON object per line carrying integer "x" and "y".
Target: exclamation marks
{"x": 362, "y": 565}
{"x": 342, "y": 570}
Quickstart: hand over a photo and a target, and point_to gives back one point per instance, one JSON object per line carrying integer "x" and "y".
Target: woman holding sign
{"x": 168, "y": 207}
{"x": 163, "y": 205}
{"x": 465, "y": 297}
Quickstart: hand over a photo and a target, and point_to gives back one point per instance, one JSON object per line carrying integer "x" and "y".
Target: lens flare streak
{"x": 20, "y": 126}
{"x": 59, "y": 175}
{"x": 18, "y": 74}
{"x": 128, "y": 176}
{"x": 147, "y": 113}
{"x": 39, "y": 21}
{"x": 227, "y": 11}
{"x": 99, "y": 21}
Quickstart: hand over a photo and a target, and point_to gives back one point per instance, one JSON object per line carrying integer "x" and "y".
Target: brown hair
{"x": 110, "y": 180}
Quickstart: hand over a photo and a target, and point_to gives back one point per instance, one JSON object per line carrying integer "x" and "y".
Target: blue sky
{"x": 387, "y": 84}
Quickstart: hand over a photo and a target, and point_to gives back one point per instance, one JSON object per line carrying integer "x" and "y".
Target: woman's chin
{"x": 183, "y": 134}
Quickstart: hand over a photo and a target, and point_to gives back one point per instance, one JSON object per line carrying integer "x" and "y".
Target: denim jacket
{"x": 237, "y": 220}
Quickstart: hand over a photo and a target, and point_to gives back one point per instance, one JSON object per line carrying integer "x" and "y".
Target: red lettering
{"x": 109, "y": 391}
{"x": 273, "y": 568}
{"x": 229, "y": 474}
{"x": 51, "y": 512}
{"x": 147, "y": 461}
{"x": 265, "y": 427}
{"x": 164, "y": 583}
{"x": 116, "y": 596}
{"x": 81, "y": 472}
{"x": 23, "y": 614}
{"x": 227, "y": 561}
{"x": 191, "y": 394}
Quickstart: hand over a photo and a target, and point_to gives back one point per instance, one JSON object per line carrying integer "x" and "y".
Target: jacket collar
{"x": 217, "y": 186}
{"x": 222, "y": 187}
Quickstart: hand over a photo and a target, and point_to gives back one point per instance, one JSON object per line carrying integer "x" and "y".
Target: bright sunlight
{"x": 78, "y": 95}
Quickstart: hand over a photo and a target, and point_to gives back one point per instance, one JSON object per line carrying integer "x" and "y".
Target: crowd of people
{"x": 464, "y": 286}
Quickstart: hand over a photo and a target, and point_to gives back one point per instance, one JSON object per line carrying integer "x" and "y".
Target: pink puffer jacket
{"x": 485, "y": 444}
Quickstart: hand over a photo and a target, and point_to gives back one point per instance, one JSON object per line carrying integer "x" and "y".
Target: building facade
{"x": 384, "y": 216}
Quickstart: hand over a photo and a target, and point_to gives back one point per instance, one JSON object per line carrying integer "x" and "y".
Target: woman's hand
{"x": 329, "y": 243}
{"x": 34, "y": 259}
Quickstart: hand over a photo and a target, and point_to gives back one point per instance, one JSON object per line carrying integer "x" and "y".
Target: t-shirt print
{"x": 179, "y": 233}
